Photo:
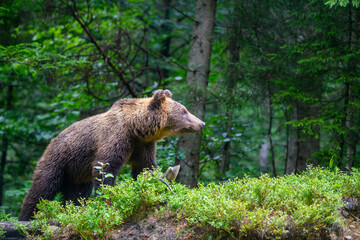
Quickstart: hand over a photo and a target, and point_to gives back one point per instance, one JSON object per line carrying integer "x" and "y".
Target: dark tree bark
{"x": 197, "y": 78}
{"x": 270, "y": 128}
{"x": 263, "y": 156}
{"x": 5, "y": 144}
{"x": 232, "y": 78}
{"x": 345, "y": 112}
{"x": 165, "y": 43}
{"x": 292, "y": 150}
{"x": 351, "y": 139}
{"x": 300, "y": 146}
{"x": 307, "y": 145}
{"x": 12, "y": 231}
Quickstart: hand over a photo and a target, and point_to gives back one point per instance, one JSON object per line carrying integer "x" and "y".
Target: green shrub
{"x": 269, "y": 207}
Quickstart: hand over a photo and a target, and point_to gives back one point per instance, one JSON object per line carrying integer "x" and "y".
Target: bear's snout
{"x": 194, "y": 124}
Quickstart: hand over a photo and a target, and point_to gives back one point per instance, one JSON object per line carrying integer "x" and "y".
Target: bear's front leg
{"x": 99, "y": 172}
{"x": 109, "y": 162}
{"x": 143, "y": 156}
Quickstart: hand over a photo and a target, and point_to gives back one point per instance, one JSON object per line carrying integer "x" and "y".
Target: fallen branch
{"x": 170, "y": 174}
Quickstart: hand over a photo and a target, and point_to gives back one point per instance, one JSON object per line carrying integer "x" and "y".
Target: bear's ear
{"x": 161, "y": 95}
{"x": 158, "y": 98}
{"x": 167, "y": 93}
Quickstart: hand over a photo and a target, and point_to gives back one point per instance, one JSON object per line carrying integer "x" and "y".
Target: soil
{"x": 165, "y": 227}
{"x": 168, "y": 227}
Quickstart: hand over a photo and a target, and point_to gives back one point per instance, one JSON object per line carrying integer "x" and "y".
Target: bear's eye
{"x": 184, "y": 111}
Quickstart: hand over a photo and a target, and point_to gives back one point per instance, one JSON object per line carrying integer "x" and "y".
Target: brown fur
{"x": 126, "y": 133}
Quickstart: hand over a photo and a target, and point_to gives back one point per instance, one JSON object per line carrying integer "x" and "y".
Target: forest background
{"x": 282, "y": 89}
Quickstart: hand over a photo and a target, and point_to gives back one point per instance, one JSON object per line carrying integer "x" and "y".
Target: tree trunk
{"x": 5, "y": 144}
{"x": 232, "y": 77}
{"x": 345, "y": 111}
{"x": 307, "y": 148}
{"x": 263, "y": 157}
{"x": 270, "y": 128}
{"x": 292, "y": 144}
{"x": 197, "y": 78}
{"x": 351, "y": 138}
{"x": 165, "y": 43}
{"x": 301, "y": 146}
{"x": 292, "y": 150}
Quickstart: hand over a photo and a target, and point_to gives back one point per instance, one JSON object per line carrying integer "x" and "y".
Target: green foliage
{"x": 104, "y": 175}
{"x": 166, "y": 152}
{"x": 342, "y": 3}
{"x": 95, "y": 218}
{"x": 214, "y": 138}
{"x": 33, "y": 55}
{"x": 16, "y": 197}
{"x": 4, "y": 217}
{"x": 269, "y": 207}
{"x": 2, "y": 233}
{"x": 58, "y": 76}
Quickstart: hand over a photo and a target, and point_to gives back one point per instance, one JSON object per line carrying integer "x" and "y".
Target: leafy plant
{"x": 104, "y": 175}
{"x": 269, "y": 207}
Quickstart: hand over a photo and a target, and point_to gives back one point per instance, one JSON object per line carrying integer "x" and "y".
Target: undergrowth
{"x": 265, "y": 207}
{"x": 5, "y": 218}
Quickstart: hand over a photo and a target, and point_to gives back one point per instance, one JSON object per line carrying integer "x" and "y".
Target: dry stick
{"x": 181, "y": 12}
{"x": 163, "y": 181}
{"x": 170, "y": 174}
{"x": 151, "y": 51}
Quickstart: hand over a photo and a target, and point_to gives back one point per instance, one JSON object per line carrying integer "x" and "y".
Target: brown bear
{"x": 127, "y": 132}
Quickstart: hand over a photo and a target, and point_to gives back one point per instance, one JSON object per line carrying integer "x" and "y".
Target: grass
{"x": 263, "y": 207}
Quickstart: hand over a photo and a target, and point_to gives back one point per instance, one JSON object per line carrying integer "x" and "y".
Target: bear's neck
{"x": 142, "y": 123}
{"x": 149, "y": 128}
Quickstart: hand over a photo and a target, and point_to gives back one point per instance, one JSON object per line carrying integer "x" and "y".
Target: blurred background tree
{"x": 282, "y": 89}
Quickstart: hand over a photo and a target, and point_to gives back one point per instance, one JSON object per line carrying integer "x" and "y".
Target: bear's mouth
{"x": 192, "y": 130}
{"x": 189, "y": 130}
{"x": 177, "y": 132}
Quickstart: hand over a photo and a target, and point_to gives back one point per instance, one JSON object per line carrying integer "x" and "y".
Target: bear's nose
{"x": 202, "y": 125}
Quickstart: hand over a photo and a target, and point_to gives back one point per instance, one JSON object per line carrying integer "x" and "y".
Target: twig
{"x": 162, "y": 180}
{"x": 103, "y": 54}
{"x": 162, "y": 56}
{"x": 184, "y": 14}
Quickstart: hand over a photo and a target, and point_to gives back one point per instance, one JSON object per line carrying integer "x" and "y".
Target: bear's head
{"x": 178, "y": 119}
